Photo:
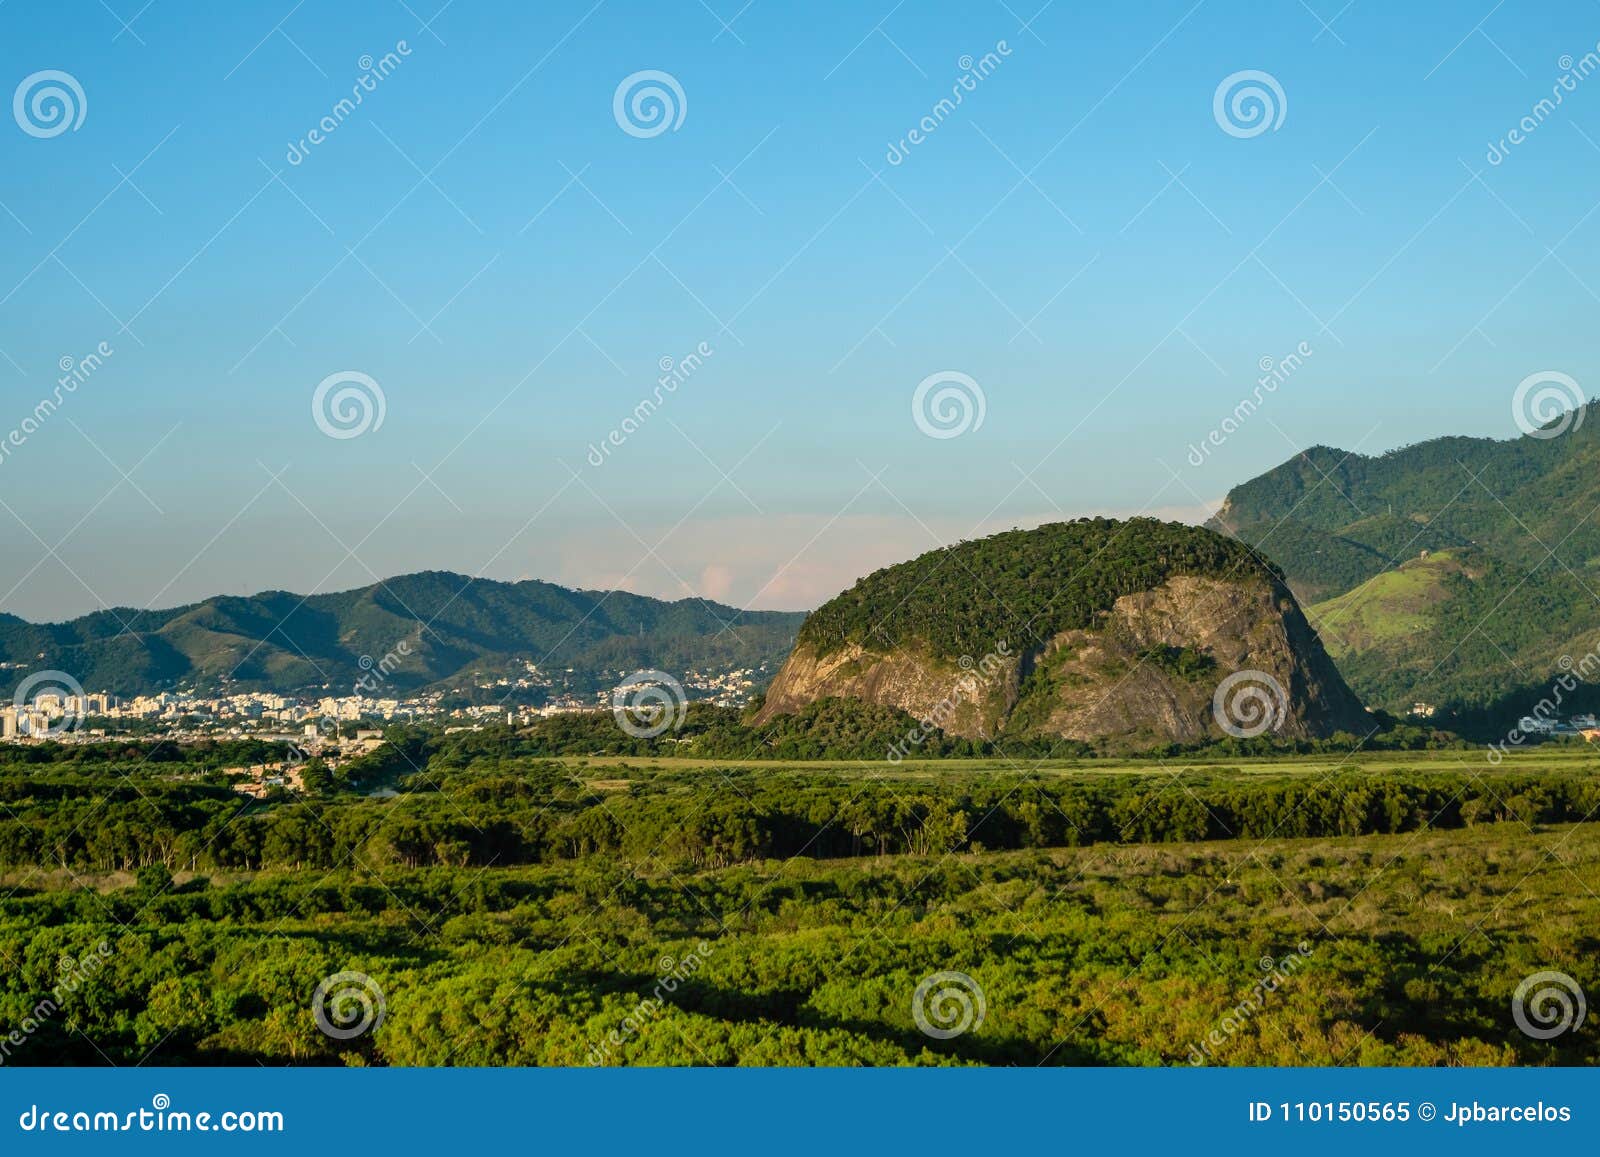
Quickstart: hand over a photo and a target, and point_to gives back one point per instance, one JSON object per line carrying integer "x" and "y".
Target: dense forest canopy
{"x": 507, "y": 909}
{"x": 1021, "y": 586}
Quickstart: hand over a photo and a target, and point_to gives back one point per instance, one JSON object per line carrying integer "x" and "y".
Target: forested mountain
{"x": 437, "y": 625}
{"x": 1459, "y": 572}
{"x": 1094, "y": 631}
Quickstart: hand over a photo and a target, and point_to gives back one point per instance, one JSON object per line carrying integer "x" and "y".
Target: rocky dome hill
{"x": 1095, "y": 630}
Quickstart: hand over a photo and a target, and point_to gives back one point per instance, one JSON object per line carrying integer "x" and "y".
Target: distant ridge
{"x": 1455, "y": 573}
{"x": 452, "y": 627}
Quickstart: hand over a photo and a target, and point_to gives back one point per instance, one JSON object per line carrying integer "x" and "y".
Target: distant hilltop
{"x": 1451, "y": 580}
{"x": 1134, "y": 633}
{"x": 394, "y": 637}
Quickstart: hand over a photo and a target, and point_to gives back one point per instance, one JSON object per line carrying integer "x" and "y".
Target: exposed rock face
{"x": 1122, "y": 682}
{"x": 971, "y": 701}
{"x": 1145, "y": 674}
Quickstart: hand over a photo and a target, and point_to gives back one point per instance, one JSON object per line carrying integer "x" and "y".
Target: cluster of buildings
{"x": 729, "y": 689}
{"x": 1584, "y": 725}
{"x": 49, "y": 713}
{"x": 266, "y": 715}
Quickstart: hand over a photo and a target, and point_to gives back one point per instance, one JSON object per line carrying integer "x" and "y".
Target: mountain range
{"x": 436, "y": 628}
{"x": 1457, "y": 575}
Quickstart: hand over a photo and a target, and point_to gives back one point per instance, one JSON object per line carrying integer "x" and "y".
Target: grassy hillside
{"x": 1510, "y": 585}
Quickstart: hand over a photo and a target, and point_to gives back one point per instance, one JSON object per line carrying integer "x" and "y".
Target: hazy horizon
{"x": 680, "y": 356}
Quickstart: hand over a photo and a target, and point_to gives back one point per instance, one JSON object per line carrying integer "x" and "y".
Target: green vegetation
{"x": 1020, "y": 587}
{"x": 1456, "y": 621}
{"x": 518, "y": 910}
{"x": 1508, "y": 588}
{"x": 436, "y": 626}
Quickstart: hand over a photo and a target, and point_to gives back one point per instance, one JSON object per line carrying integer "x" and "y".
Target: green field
{"x": 1380, "y": 909}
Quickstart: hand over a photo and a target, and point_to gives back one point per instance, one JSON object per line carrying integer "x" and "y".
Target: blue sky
{"x": 482, "y": 239}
